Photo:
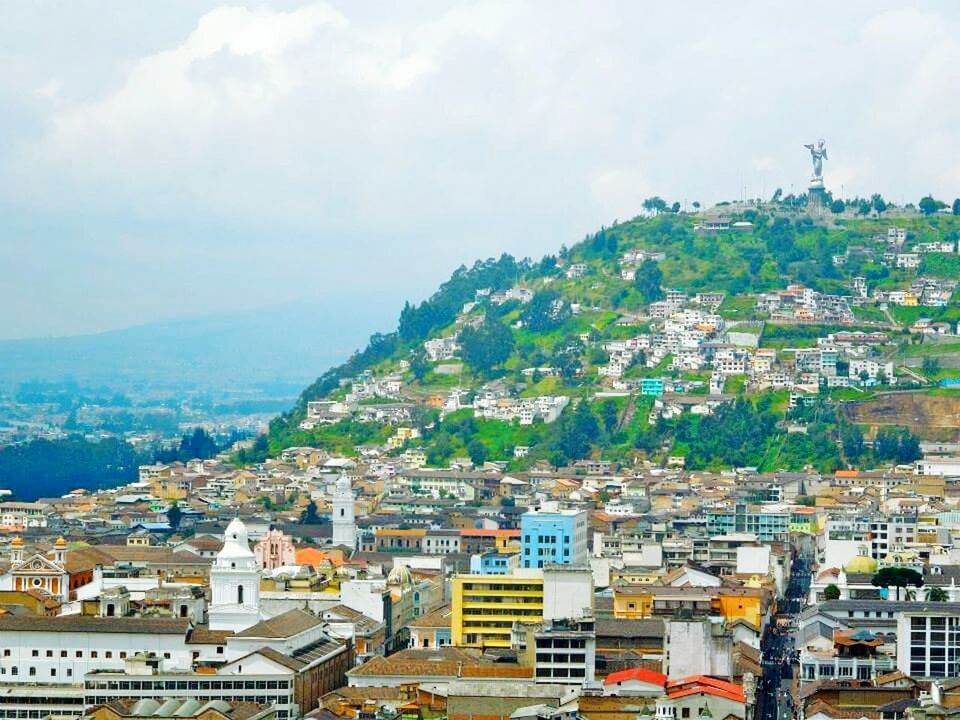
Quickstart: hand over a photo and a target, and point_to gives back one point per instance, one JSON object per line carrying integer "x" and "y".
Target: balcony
{"x": 816, "y": 667}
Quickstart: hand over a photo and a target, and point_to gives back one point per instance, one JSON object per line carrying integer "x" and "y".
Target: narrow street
{"x": 774, "y": 701}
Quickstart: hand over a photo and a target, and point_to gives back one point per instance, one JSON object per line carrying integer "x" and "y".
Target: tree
{"x": 956, "y": 207}
{"x": 928, "y": 206}
{"x": 546, "y": 311}
{"x": 477, "y": 451}
{"x": 837, "y": 207}
{"x": 851, "y": 438}
{"x": 418, "y": 363}
{"x": 885, "y": 444}
{"x": 936, "y": 594}
{"x": 878, "y": 203}
{"x": 898, "y": 444}
{"x": 578, "y": 430}
{"x": 908, "y": 449}
{"x": 655, "y": 205}
{"x": 197, "y": 446}
{"x": 309, "y": 515}
{"x": 831, "y": 592}
{"x": 898, "y": 577}
{"x": 931, "y": 366}
{"x": 174, "y": 515}
{"x": 487, "y": 346}
{"x": 609, "y": 414}
{"x": 648, "y": 280}
{"x": 696, "y": 204}
{"x": 675, "y": 208}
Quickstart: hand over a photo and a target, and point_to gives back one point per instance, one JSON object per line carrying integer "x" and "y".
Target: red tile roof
{"x": 706, "y": 690}
{"x": 640, "y": 674}
{"x": 705, "y": 684}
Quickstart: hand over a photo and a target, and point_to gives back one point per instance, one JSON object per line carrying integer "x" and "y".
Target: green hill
{"x": 540, "y": 329}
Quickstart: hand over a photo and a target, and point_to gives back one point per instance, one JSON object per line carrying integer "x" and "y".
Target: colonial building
{"x": 275, "y": 550}
{"x": 234, "y": 583}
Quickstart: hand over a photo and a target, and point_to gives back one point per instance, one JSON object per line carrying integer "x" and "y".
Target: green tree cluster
{"x": 897, "y": 444}
{"x": 648, "y": 280}
{"x": 487, "y": 346}
{"x": 546, "y": 311}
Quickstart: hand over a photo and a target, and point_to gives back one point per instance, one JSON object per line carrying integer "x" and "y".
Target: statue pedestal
{"x": 816, "y": 197}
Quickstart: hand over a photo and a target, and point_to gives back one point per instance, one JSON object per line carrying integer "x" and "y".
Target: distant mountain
{"x": 283, "y": 345}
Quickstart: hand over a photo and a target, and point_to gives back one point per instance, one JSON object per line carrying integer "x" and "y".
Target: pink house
{"x": 275, "y": 550}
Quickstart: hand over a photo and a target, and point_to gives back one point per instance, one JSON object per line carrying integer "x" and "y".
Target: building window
{"x": 240, "y": 595}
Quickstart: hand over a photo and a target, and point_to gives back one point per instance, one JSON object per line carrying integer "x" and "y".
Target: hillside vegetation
{"x": 545, "y": 328}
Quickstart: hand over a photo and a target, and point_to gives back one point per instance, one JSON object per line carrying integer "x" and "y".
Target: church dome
{"x": 863, "y": 564}
{"x": 17, "y": 542}
{"x": 400, "y": 575}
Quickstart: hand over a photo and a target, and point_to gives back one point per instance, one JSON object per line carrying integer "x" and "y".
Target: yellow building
{"x": 486, "y": 606}
{"x": 170, "y": 488}
{"x": 803, "y": 520}
{"x": 632, "y": 602}
{"x": 742, "y": 604}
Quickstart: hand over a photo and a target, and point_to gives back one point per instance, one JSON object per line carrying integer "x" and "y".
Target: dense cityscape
{"x": 640, "y": 456}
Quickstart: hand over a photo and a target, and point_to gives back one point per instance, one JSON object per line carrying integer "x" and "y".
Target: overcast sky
{"x": 185, "y": 157}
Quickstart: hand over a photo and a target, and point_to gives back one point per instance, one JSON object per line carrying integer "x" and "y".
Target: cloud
{"x": 278, "y": 148}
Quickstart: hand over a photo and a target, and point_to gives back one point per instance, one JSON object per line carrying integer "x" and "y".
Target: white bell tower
{"x": 234, "y": 583}
{"x": 344, "y": 522}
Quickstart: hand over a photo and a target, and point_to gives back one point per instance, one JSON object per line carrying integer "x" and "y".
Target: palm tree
{"x": 936, "y": 594}
{"x": 909, "y": 595}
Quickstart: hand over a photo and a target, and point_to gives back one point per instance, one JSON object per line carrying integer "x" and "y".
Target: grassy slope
{"x": 737, "y": 264}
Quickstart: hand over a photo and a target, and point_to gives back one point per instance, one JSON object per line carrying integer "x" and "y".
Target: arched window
{"x": 342, "y": 512}
{"x": 240, "y": 595}
{"x": 183, "y": 611}
{"x": 110, "y": 610}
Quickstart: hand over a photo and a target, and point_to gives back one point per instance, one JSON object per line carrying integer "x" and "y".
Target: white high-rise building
{"x": 344, "y": 522}
{"x": 234, "y": 583}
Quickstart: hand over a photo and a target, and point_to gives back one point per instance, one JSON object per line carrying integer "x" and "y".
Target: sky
{"x": 162, "y": 160}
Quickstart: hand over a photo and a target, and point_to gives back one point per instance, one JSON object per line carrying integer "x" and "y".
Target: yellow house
{"x": 170, "y": 488}
{"x": 485, "y": 607}
{"x": 803, "y": 520}
{"x": 742, "y": 604}
{"x": 632, "y": 602}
